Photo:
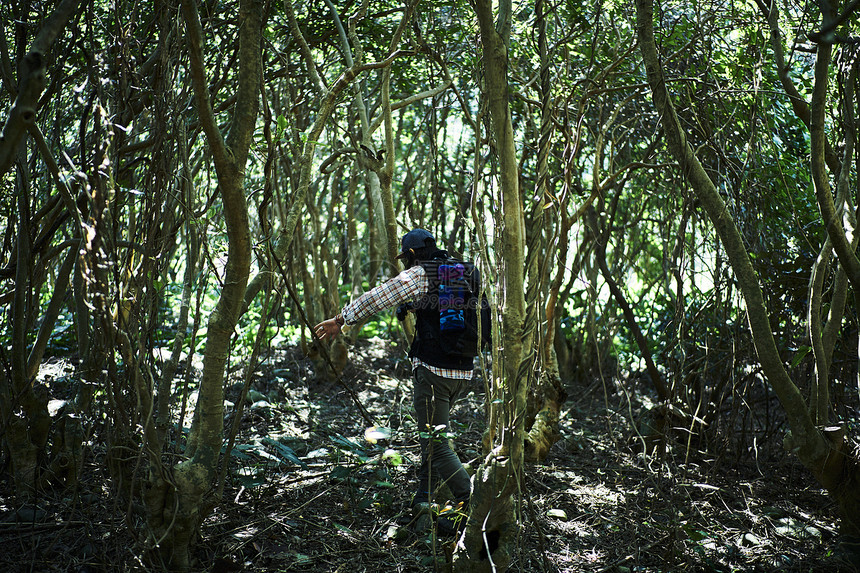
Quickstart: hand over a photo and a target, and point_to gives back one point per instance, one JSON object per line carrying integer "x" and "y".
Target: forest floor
{"x": 311, "y": 493}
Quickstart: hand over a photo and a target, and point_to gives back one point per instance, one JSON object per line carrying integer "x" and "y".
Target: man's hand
{"x": 327, "y": 329}
{"x": 403, "y": 310}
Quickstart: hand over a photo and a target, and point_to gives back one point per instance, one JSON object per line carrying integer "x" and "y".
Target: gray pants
{"x": 433, "y": 397}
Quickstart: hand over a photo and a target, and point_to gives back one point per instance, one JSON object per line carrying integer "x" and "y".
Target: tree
{"x": 177, "y": 506}
{"x": 822, "y": 449}
{"x": 23, "y": 406}
{"x": 488, "y": 543}
{"x": 130, "y": 245}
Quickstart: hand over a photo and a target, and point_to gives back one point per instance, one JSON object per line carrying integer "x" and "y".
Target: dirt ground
{"x": 309, "y": 492}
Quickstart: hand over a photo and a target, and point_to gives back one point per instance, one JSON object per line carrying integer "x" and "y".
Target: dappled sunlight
{"x": 615, "y": 241}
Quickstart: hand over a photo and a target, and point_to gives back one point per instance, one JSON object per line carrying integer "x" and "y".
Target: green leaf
{"x": 695, "y": 534}
{"x": 348, "y": 444}
{"x": 252, "y": 481}
{"x": 340, "y": 472}
{"x": 285, "y": 452}
{"x": 344, "y": 528}
{"x": 393, "y": 456}
{"x": 800, "y": 355}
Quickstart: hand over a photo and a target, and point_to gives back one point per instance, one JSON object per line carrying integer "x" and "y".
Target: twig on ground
{"x": 639, "y": 550}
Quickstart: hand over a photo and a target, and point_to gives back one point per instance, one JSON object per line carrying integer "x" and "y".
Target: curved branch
{"x": 220, "y": 153}
{"x": 305, "y": 50}
{"x": 820, "y": 177}
{"x": 31, "y": 83}
{"x": 823, "y": 34}
{"x": 798, "y": 102}
{"x": 807, "y": 441}
{"x": 410, "y": 100}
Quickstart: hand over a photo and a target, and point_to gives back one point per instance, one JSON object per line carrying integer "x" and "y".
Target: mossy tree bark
{"x": 177, "y": 505}
{"x": 547, "y": 395}
{"x": 490, "y": 538}
{"x": 23, "y": 406}
{"x": 823, "y": 450}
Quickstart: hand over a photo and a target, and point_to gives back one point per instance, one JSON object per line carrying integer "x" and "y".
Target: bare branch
{"x": 31, "y": 83}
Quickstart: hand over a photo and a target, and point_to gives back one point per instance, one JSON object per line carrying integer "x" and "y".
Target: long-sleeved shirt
{"x": 409, "y": 285}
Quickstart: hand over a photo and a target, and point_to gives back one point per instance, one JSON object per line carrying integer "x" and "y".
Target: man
{"x": 439, "y": 373}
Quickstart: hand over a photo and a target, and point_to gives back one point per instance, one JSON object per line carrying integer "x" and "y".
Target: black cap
{"x": 413, "y": 240}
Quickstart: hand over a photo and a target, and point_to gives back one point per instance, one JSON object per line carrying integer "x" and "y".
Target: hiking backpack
{"x": 448, "y": 314}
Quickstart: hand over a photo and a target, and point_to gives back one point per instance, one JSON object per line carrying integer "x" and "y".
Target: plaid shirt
{"x": 410, "y": 285}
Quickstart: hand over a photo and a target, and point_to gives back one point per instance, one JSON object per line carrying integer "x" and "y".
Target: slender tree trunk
{"x": 490, "y": 538}
{"x": 824, "y": 452}
{"x": 627, "y": 311}
{"x": 823, "y": 336}
{"x": 31, "y": 83}
{"x": 546, "y": 397}
{"x": 176, "y": 507}
{"x": 24, "y": 407}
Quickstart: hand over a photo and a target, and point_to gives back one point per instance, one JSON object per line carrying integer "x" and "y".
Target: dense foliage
{"x": 166, "y": 205}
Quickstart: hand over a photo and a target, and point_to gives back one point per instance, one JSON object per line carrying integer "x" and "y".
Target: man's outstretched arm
{"x": 409, "y": 285}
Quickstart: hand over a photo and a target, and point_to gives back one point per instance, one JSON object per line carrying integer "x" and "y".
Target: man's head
{"x": 415, "y": 245}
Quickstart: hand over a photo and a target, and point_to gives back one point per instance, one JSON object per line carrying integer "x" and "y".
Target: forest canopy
{"x": 660, "y": 197}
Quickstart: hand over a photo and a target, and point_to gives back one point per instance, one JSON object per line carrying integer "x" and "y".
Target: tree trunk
{"x": 24, "y": 407}
{"x": 825, "y": 453}
{"x": 489, "y": 541}
{"x": 176, "y": 507}
{"x": 31, "y": 82}
{"x": 547, "y": 395}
